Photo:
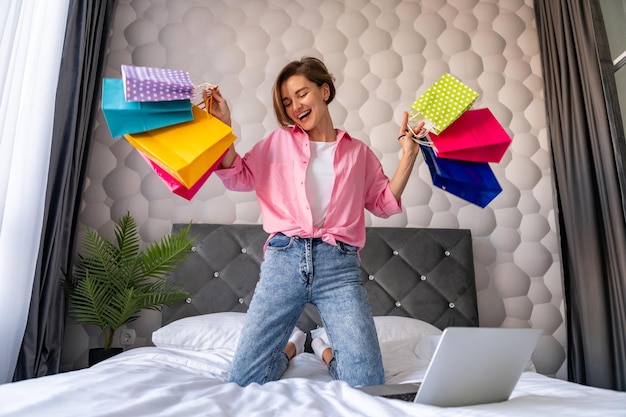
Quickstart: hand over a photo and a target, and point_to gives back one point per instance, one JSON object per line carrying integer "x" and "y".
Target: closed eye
{"x": 299, "y": 94}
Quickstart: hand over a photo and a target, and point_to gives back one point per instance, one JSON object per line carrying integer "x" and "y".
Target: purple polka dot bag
{"x": 156, "y": 84}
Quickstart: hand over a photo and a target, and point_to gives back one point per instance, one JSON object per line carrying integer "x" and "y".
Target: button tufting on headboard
{"x": 415, "y": 272}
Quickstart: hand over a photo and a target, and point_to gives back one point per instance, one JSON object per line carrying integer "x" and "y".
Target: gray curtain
{"x": 588, "y": 149}
{"x": 76, "y": 105}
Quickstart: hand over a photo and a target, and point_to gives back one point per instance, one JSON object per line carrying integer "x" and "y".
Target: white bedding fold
{"x": 161, "y": 382}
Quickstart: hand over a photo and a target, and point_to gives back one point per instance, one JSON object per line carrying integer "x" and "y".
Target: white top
{"x": 320, "y": 179}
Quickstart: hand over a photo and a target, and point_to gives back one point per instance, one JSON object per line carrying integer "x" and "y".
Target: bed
{"x": 419, "y": 282}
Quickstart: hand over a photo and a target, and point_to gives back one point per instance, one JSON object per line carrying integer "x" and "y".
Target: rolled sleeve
{"x": 236, "y": 177}
{"x": 386, "y": 205}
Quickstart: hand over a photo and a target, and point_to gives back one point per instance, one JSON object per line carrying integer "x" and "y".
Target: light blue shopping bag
{"x": 125, "y": 117}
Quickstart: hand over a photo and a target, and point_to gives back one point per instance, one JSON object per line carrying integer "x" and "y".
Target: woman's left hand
{"x": 405, "y": 136}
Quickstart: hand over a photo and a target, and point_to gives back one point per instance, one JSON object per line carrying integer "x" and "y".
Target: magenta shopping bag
{"x": 475, "y": 136}
{"x": 176, "y": 186}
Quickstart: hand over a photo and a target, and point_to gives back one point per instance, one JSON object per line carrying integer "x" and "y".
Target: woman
{"x": 313, "y": 183}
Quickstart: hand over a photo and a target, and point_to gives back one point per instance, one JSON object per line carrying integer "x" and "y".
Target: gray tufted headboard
{"x": 423, "y": 273}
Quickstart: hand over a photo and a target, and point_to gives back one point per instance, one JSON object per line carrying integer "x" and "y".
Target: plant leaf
{"x": 113, "y": 281}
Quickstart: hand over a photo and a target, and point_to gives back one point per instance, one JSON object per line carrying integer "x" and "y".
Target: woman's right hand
{"x": 219, "y": 107}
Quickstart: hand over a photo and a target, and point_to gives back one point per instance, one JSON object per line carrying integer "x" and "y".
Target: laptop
{"x": 471, "y": 365}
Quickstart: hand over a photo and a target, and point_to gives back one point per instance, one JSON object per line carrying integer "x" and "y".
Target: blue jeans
{"x": 297, "y": 271}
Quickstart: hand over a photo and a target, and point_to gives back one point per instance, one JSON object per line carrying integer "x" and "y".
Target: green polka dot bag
{"x": 442, "y": 103}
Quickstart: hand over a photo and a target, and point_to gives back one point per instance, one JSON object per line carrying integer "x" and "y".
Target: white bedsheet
{"x": 168, "y": 382}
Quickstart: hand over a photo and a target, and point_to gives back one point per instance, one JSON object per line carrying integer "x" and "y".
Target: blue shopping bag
{"x": 472, "y": 181}
{"x": 125, "y": 117}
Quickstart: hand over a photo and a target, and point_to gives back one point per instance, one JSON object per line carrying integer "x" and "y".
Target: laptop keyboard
{"x": 403, "y": 392}
{"x": 409, "y": 396}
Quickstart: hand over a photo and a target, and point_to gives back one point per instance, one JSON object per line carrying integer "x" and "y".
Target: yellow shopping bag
{"x": 187, "y": 150}
{"x": 442, "y": 103}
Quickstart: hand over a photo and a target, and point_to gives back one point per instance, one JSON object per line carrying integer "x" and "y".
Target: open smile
{"x": 303, "y": 115}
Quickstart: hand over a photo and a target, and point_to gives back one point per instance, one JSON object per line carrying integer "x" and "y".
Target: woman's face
{"x": 304, "y": 101}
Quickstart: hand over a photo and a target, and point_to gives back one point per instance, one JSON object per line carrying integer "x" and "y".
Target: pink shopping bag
{"x": 176, "y": 186}
{"x": 475, "y": 136}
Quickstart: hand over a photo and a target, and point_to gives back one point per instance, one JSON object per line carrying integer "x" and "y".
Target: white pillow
{"x": 406, "y": 345}
{"x": 394, "y": 329}
{"x": 400, "y": 360}
{"x": 207, "y": 331}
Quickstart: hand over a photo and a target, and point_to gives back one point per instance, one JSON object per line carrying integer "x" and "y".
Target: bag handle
{"x": 198, "y": 98}
{"x": 419, "y": 137}
{"x": 417, "y": 117}
{"x": 198, "y": 88}
{"x": 431, "y": 161}
{"x": 206, "y": 103}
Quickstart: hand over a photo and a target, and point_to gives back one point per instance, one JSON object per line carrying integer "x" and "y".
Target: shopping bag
{"x": 472, "y": 181}
{"x": 442, "y": 103}
{"x": 475, "y": 136}
{"x": 124, "y": 117}
{"x": 156, "y": 84}
{"x": 176, "y": 186}
{"x": 186, "y": 150}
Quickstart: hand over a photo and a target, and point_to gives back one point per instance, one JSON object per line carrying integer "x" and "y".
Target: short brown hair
{"x": 314, "y": 70}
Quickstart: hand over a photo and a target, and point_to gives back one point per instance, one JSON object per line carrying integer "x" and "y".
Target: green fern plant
{"x": 113, "y": 281}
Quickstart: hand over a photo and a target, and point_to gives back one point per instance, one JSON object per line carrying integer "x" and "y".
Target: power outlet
{"x": 127, "y": 337}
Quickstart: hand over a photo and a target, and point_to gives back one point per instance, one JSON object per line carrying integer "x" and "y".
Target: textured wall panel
{"x": 383, "y": 54}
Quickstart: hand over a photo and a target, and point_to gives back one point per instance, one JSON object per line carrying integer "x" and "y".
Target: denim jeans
{"x": 297, "y": 271}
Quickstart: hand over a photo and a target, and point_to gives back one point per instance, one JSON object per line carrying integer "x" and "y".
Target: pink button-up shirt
{"x": 276, "y": 169}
